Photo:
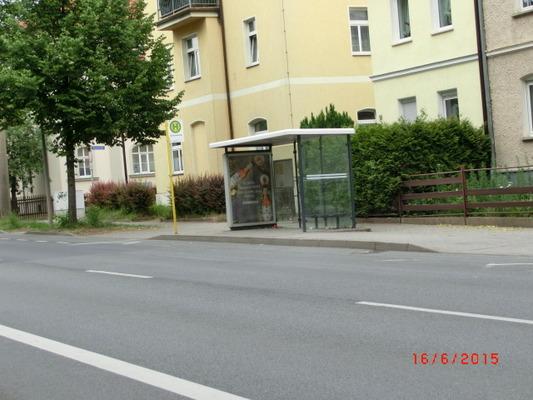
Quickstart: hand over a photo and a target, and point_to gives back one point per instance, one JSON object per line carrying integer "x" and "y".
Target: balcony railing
{"x": 172, "y": 7}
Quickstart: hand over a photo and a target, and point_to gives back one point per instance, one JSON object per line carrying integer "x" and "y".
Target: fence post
{"x": 465, "y": 194}
{"x": 400, "y": 205}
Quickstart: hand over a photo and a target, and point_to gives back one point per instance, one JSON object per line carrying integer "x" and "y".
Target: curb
{"x": 46, "y": 233}
{"x": 345, "y": 244}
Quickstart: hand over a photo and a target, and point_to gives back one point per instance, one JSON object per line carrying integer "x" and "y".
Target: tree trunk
{"x": 14, "y": 202}
{"x": 4, "y": 177}
{"x": 71, "y": 185}
{"x": 46, "y": 173}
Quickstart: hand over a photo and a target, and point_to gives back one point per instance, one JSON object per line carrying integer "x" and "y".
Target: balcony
{"x": 176, "y": 13}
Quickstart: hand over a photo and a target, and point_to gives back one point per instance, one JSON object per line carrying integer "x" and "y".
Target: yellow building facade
{"x": 255, "y": 66}
{"x": 425, "y": 59}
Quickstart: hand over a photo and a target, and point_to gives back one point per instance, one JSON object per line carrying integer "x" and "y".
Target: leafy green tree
{"x": 24, "y": 157}
{"x": 328, "y": 118}
{"x": 87, "y": 70}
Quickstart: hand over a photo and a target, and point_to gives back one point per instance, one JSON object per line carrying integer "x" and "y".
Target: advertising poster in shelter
{"x": 249, "y": 198}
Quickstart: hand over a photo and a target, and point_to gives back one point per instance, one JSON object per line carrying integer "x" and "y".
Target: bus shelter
{"x": 322, "y": 170}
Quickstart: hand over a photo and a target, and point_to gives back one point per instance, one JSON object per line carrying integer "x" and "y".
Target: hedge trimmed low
{"x": 200, "y": 195}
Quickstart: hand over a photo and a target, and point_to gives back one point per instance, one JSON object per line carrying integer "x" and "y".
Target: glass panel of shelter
{"x": 325, "y": 170}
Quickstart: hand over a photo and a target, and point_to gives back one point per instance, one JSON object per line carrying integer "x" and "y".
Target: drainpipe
{"x": 226, "y": 73}
{"x": 484, "y": 78}
{"x": 287, "y": 63}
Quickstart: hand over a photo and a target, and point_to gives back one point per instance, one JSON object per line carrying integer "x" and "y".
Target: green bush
{"x": 61, "y": 221}
{"x": 161, "y": 211}
{"x": 200, "y": 195}
{"x": 384, "y": 154}
{"x": 13, "y": 221}
{"x": 93, "y": 217}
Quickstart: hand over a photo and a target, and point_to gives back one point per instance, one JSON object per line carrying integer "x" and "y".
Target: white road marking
{"x": 41, "y": 241}
{"x": 150, "y": 377}
{"x": 4, "y": 238}
{"x": 508, "y": 265}
{"x": 62, "y": 242}
{"x": 22, "y": 240}
{"x": 455, "y": 313}
{"x": 92, "y": 271}
{"x": 399, "y": 260}
{"x": 129, "y": 243}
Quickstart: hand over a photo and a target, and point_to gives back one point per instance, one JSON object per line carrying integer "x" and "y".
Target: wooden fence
{"x": 31, "y": 207}
{"x": 421, "y": 193}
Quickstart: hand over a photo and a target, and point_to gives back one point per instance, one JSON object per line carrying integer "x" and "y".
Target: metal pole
{"x": 171, "y": 180}
{"x": 322, "y": 188}
{"x": 5, "y": 206}
{"x": 302, "y": 188}
{"x": 46, "y": 173}
{"x": 351, "y": 180}
{"x": 297, "y": 183}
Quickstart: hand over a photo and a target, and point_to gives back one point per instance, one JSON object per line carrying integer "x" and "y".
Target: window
{"x": 252, "y": 55}
{"x": 177, "y": 156}
{"x": 143, "y": 159}
{"x": 442, "y": 10}
{"x": 401, "y": 19}
{"x": 258, "y": 125}
{"x": 408, "y": 109}
{"x": 449, "y": 104}
{"x": 527, "y": 4}
{"x": 366, "y": 116}
{"x": 83, "y": 157}
{"x": 530, "y": 106}
{"x": 359, "y": 30}
{"x": 192, "y": 57}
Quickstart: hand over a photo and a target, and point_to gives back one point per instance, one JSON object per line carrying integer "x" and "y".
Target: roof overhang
{"x": 280, "y": 138}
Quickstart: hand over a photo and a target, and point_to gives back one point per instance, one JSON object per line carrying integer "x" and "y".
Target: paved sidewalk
{"x": 383, "y": 237}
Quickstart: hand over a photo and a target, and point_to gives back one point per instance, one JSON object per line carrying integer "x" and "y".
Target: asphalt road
{"x": 220, "y": 321}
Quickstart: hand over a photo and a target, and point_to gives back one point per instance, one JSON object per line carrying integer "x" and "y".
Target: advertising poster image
{"x": 249, "y": 180}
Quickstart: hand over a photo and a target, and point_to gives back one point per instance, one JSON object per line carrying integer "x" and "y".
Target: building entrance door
{"x": 284, "y": 191}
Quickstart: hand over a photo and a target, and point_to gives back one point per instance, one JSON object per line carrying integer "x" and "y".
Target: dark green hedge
{"x": 385, "y": 153}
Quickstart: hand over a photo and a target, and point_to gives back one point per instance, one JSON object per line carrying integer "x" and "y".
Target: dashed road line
{"x": 92, "y": 271}
{"x": 509, "y": 265}
{"x": 445, "y": 312}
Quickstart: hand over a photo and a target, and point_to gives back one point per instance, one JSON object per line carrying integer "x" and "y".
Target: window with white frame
{"x": 449, "y": 104}
{"x": 191, "y": 55}
{"x": 252, "y": 54}
{"x": 529, "y": 96}
{"x": 83, "y": 158}
{"x": 408, "y": 109}
{"x": 359, "y": 30}
{"x": 259, "y": 125}
{"x": 401, "y": 19}
{"x": 143, "y": 159}
{"x": 366, "y": 116}
{"x": 527, "y": 4}
{"x": 177, "y": 156}
{"x": 442, "y": 10}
